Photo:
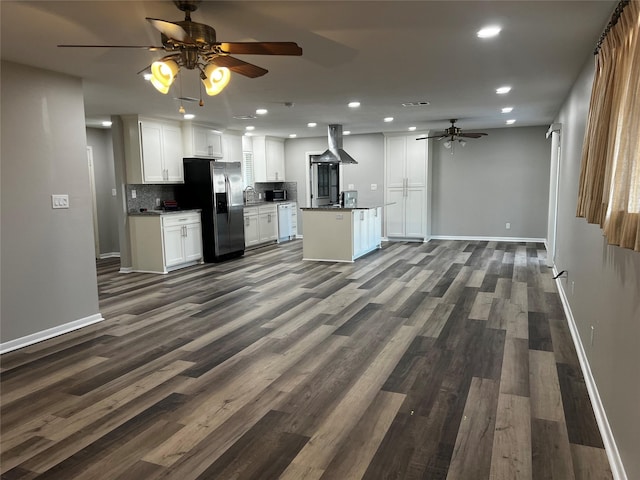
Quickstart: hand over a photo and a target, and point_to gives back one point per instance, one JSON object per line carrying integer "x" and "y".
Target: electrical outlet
{"x": 113, "y": 192}
{"x": 60, "y": 201}
{"x": 351, "y": 186}
{"x": 133, "y": 194}
{"x": 374, "y": 186}
{"x": 507, "y": 226}
{"x": 157, "y": 202}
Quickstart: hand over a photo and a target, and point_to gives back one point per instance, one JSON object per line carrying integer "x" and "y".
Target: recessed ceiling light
{"x": 292, "y": 135}
{"x": 262, "y": 111}
{"x": 189, "y": 116}
{"x": 488, "y": 32}
{"x": 503, "y": 90}
{"x": 312, "y": 124}
{"x": 346, "y": 132}
{"x": 353, "y": 105}
{"x": 507, "y": 110}
{"x": 511, "y": 121}
{"x": 412, "y": 129}
{"x": 106, "y": 123}
{"x": 249, "y": 128}
{"x": 388, "y": 119}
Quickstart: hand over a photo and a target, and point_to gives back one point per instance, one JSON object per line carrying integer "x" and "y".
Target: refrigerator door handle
{"x": 227, "y": 187}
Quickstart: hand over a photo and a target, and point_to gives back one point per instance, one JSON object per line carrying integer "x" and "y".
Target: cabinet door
{"x": 395, "y": 212}
{"x": 268, "y": 227}
{"x": 151, "y": 149}
{"x": 395, "y": 154}
{"x": 275, "y": 160}
{"x": 251, "y": 230}
{"x": 173, "y": 245}
{"x": 415, "y": 214}
{"x": 214, "y": 144}
{"x": 192, "y": 242}
{"x": 416, "y": 162}
{"x": 172, "y": 153}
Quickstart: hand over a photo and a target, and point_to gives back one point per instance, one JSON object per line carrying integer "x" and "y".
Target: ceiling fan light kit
{"x": 215, "y": 79}
{"x": 163, "y": 74}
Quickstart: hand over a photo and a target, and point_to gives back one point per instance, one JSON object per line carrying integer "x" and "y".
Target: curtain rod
{"x": 614, "y": 19}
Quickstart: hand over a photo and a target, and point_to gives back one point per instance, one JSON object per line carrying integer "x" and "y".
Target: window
{"x": 248, "y": 176}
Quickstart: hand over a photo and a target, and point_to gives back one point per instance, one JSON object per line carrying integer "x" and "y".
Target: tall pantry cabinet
{"x": 407, "y": 192}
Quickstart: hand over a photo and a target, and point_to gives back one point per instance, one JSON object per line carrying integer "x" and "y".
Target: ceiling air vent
{"x": 423, "y": 103}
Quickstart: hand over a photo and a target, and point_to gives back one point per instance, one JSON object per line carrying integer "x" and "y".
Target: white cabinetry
{"x": 366, "y": 231}
{"x": 153, "y": 150}
{"x": 232, "y": 144}
{"x": 161, "y": 243}
{"x": 268, "y": 159}
{"x": 406, "y": 194}
{"x": 260, "y": 225}
{"x": 201, "y": 141}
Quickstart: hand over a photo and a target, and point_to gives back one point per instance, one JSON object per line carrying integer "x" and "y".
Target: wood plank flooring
{"x": 443, "y": 360}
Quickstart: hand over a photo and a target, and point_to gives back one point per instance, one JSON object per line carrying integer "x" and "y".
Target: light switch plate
{"x": 59, "y": 201}
{"x": 374, "y": 186}
{"x": 351, "y": 186}
{"x": 134, "y": 194}
{"x": 113, "y": 192}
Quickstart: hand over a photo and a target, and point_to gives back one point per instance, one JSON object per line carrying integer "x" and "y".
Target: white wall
{"x": 48, "y": 268}
{"x": 500, "y": 178}
{"x": 105, "y": 180}
{"x": 606, "y": 293}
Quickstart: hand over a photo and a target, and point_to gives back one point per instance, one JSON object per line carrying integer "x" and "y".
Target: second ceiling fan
{"x": 453, "y": 134}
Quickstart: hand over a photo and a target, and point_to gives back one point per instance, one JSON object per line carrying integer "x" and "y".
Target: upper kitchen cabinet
{"x": 406, "y": 187}
{"x": 268, "y": 159}
{"x": 153, "y": 150}
{"x": 232, "y": 142}
{"x": 201, "y": 141}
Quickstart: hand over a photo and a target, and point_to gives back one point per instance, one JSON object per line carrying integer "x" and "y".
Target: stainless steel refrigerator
{"x": 216, "y": 188}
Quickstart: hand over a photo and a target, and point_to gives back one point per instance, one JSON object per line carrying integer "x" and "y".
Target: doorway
{"x": 324, "y": 182}
{"x": 94, "y": 205}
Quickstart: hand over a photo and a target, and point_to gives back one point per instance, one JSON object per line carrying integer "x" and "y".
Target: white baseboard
{"x": 615, "y": 462}
{"x": 126, "y": 270}
{"x": 49, "y": 333}
{"x": 109, "y": 255}
{"x": 487, "y": 239}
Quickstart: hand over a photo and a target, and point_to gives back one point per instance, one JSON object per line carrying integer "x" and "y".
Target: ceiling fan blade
{"x": 472, "y": 134}
{"x": 238, "y": 66}
{"x": 171, "y": 30}
{"x": 261, "y": 48}
{"x": 439, "y": 137}
{"x": 151, "y": 48}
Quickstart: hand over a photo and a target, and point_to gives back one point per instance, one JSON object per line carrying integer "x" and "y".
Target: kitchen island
{"x": 339, "y": 234}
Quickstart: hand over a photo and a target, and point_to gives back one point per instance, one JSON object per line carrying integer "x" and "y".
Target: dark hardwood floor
{"x": 443, "y": 360}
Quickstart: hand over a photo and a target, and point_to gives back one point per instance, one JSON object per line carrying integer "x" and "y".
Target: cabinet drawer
{"x": 173, "y": 220}
{"x": 272, "y": 209}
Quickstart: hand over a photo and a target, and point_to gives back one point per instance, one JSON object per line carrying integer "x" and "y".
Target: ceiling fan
{"x": 193, "y": 45}
{"x": 454, "y": 134}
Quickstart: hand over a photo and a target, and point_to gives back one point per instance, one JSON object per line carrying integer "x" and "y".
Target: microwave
{"x": 275, "y": 195}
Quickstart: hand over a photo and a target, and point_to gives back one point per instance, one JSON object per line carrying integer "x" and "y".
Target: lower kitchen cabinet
{"x": 260, "y": 225}
{"x": 161, "y": 243}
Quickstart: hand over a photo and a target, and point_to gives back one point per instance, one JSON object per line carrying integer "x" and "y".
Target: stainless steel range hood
{"x": 335, "y": 153}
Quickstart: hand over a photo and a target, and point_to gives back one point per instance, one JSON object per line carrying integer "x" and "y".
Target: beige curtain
{"x": 609, "y": 190}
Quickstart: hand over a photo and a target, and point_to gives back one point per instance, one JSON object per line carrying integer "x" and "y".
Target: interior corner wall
{"x": 48, "y": 271}
{"x": 105, "y": 181}
{"x": 606, "y": 287}
{"x": 494, "y": 180}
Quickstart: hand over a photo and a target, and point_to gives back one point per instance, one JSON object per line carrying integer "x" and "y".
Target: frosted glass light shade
{"x": 217, "y": 79}
{"x": 163, "y": 73}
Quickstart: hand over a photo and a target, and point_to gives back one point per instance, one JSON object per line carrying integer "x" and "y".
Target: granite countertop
{"x": 329, "y": 208}
{"x": 264, "y": 202}
{"x": 147, "y": 213}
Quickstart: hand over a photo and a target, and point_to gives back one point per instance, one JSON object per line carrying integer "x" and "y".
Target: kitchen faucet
{"x": 249, "y": 194}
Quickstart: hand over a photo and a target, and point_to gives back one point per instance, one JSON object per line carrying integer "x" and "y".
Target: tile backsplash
{"x": 290, "y": 187}
{"x": 146, "y": 196}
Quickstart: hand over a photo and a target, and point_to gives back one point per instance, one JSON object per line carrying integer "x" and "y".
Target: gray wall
{"x": 500, "y": 178}
{"x": 606, "y": 293}
{"x": 367, "y": 150}
{"x": 105, "y": 180}
{"x": 48, "y": 268}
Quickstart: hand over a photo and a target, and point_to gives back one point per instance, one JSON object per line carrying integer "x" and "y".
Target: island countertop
{"x": 330, "y": 208}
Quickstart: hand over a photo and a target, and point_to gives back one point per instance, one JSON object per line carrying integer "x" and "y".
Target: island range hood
{"x": 335, "y": 153}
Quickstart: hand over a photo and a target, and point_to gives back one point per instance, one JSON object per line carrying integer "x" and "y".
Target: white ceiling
{"x": 381, "y": 53}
